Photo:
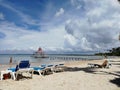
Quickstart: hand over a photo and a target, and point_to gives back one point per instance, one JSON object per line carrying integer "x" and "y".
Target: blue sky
{"x": 74, "y": 26}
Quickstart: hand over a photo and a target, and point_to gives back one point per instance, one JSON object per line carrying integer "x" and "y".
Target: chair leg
{"x": 13, "y": 75}
{"x": 39, "y": 71}
{"x": 32, "y": 73}
{"x": 1, "y": 76}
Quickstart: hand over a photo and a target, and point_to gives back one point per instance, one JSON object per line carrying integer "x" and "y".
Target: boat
{"x": 39, "y": 54}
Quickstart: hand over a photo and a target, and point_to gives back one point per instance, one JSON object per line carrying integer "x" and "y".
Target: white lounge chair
{"x": 22, "y": 67}
{"x": 105, "y": 64}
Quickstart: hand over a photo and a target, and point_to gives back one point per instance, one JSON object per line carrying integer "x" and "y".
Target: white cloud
{"x": 97, "y": 12}
{"x": 21, "y": 38}
{"x": 2, "y": 16}
{"x": 87, "y": 25}
{"x": 78, "y": 7}
{"x": 98, "y": 29}
{"x": 60, "y": 12}
{"x": 70, "y": 40}
{"x": 77, "y": 3}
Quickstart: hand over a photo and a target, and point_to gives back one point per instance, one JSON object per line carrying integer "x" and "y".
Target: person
{"x": 10, "y": 62}
{"x": 108, "y": 61}
{"x": 105, "y": 56}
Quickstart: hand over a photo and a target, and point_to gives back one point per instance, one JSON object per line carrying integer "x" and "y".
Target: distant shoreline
{"x": 64, "y": 54}
{"x": 59, "y": 54}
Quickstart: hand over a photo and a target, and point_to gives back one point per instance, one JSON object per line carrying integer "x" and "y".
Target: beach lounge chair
{"x": 58, "y": 68}
{"x": 51, "y": 68}
{"x": 43, "y": 69}
{"x": 105, "y": 64}
{"x": 38, "y": 69}
{"x": 22, "y": 67}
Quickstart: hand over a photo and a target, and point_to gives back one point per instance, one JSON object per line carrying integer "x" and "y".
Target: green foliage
{"x": 113, "y": 52}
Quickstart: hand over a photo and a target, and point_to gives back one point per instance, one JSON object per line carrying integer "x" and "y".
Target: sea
{"x": 52, "y": 58}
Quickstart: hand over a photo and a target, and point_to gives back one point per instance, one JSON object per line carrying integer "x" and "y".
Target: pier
{"x": 76, "y": 58}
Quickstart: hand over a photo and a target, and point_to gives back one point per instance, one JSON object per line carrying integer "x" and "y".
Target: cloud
{"x": 83, "y": 26}
{"x": 97, "y": 30}
{"x": 22, "y": 38}
{"x": 2, "y": 16}
{"x": 70, "y": 40}
{"x": 60, "y": 12}
{"x": 78, "y": 4}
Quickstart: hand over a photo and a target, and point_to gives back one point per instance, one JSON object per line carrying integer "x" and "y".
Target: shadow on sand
{"x": 94, "y": 71}
{"x": 115, "y": 63}
{"x": 73, "y": 69}
{"x": 116, "y": 81}
{"x": 21, "y": 77}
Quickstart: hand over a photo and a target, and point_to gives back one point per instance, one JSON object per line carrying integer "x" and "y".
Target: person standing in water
{"x": 10, "y": 62}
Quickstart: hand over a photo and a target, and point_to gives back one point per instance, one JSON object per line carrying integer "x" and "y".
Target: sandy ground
{"x": 78, "y": 76}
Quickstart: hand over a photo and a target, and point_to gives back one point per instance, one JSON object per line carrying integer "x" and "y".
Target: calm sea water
{"x": 4, "y": 59}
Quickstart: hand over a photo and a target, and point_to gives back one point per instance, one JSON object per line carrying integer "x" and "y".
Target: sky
{"x": 59, "y": 26}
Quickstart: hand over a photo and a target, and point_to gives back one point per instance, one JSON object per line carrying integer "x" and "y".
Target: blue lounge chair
{"x": 54, "y": 68}
{"x": 41, "y": 68}
{"x": 45, "y": 69}
{"x": 38, "y": 69}
{"x": 22, "y": 67}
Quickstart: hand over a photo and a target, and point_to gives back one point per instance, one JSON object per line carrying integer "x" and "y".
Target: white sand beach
{"x": 77, "y": 77}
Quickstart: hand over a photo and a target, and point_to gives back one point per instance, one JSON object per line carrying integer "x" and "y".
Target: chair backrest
{"x": 24, "y": 64}
{"x": 50, "y": 65}
{"x": 43, "y": 65}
